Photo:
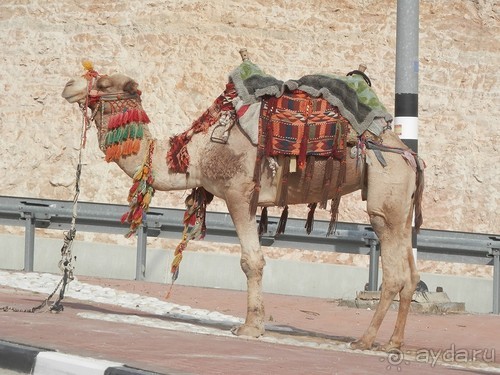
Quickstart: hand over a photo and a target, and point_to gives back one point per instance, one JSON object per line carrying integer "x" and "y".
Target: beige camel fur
{"x": 226, "y": 170}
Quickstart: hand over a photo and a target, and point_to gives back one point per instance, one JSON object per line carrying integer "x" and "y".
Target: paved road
{"x": 306, "y": 336}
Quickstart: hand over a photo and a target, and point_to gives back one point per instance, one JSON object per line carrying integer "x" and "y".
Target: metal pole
{"x": 140, "y": 264}
{"x": 374, "y": 257}
{"x": 29, "y": 242}
{"x": 496, "y": 281}
{"x": 494, "y": 251}
{"x": 406, "y": 98}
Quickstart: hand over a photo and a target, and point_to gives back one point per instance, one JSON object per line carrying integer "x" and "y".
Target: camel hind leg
{"x": 390, "y": 209}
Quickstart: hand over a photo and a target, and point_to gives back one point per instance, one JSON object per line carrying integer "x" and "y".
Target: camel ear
{"x": 131, "y": 87}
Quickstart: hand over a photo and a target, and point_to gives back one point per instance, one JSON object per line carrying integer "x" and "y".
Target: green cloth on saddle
{"x": 355, "y": 99}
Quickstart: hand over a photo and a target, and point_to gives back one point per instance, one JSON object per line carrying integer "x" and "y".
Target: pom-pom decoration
{"x": 88, "y": 65}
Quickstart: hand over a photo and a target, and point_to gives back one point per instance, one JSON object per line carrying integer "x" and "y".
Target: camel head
{"x": 94, "y": 85}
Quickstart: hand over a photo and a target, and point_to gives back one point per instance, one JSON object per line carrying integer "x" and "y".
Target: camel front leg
{"x": 252, "y": 263}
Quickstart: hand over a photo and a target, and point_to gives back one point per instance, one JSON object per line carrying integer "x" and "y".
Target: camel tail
{"x": 419, "y": 191}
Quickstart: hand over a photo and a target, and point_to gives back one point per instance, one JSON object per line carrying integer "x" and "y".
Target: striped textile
{"x": 300, "y": 125}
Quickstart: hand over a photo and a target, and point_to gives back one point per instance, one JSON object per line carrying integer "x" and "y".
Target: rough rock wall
{"x": 181, "y": 52}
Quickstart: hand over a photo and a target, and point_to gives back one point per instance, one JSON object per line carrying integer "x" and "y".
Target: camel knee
{"x": 378, "y": 224}
{"x": 393, "y": 285}
{"x": 252, "y": 265}
{"x": 408, "y": 287}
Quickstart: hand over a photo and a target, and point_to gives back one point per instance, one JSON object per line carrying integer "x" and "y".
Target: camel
{"x": 389, "y": 183}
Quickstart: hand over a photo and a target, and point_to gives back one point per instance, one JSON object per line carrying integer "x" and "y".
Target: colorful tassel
{"x": 194, "y": 226}
{"x": 140, "y": 194}
{"x": 125, "y": 132}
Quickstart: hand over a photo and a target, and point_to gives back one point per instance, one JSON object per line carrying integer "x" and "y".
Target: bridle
{"x": 95, "y": 100}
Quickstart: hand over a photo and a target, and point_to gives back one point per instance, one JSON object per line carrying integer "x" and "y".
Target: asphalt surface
{"x": 305, "y": 335}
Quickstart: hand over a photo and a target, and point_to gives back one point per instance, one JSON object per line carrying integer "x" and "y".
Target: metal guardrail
{"x": 162, "y": 222}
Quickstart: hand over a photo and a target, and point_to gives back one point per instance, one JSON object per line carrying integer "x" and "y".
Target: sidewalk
{"x": 305, "y": 335}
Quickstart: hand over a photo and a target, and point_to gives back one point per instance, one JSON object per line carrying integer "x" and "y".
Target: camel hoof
{"x": 360, "y": 345}
{"x": 245, "y": 330}
{"x": 391, "y": 347}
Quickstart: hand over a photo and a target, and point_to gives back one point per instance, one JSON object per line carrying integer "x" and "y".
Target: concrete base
{"x": 429, "y": 302}
{"x": 216, "y": 270}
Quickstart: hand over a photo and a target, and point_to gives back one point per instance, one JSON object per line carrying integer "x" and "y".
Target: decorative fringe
{"x": 334, "y": 215}
{"x": 282, "y": 222}
{"x": 334, "y": 208}
{"x": 308, "y": 175}
{"x": 310, "y": 217}
{"x": 327, "y": 181}
{"x": 284, "y": 182}
{"x": 140, "y": 194}
{"x": 263, "y": 221}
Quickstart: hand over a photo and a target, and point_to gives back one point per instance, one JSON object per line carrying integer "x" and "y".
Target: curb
{"x": 40, "y": 361}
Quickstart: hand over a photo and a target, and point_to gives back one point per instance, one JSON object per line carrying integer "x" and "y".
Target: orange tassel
{"x": 114, "y": 151}
{"x": 130, "y": 146}
{"x": 136, "y": 146}
{"x": 127, "y": 147}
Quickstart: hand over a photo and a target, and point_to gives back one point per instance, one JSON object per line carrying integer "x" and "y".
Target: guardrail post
{"x": 29, "y": 241}
{"x": 371, "y": 240}
{"x": 494, "y": 251}
{"x": 374, "y": 257}
{"x": 140, "y": 263}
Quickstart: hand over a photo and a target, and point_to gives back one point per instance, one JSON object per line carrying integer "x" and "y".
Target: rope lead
{"x": 65, "y": 264}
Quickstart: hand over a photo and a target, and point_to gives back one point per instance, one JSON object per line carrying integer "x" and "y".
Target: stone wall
{"x": 181, "y": 52}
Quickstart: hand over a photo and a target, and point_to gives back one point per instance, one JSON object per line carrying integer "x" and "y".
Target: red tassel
{"x": 134, "y": 115}
{"x": 124, "y": 217}
{"x": 134, "y": 188}
{"x": 125, "y": 118}
{"x": 111, "y": 122}
{"x": 137, "y": 215}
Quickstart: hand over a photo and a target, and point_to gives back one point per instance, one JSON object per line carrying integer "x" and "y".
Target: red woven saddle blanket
{"x": 300, "y": 125}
